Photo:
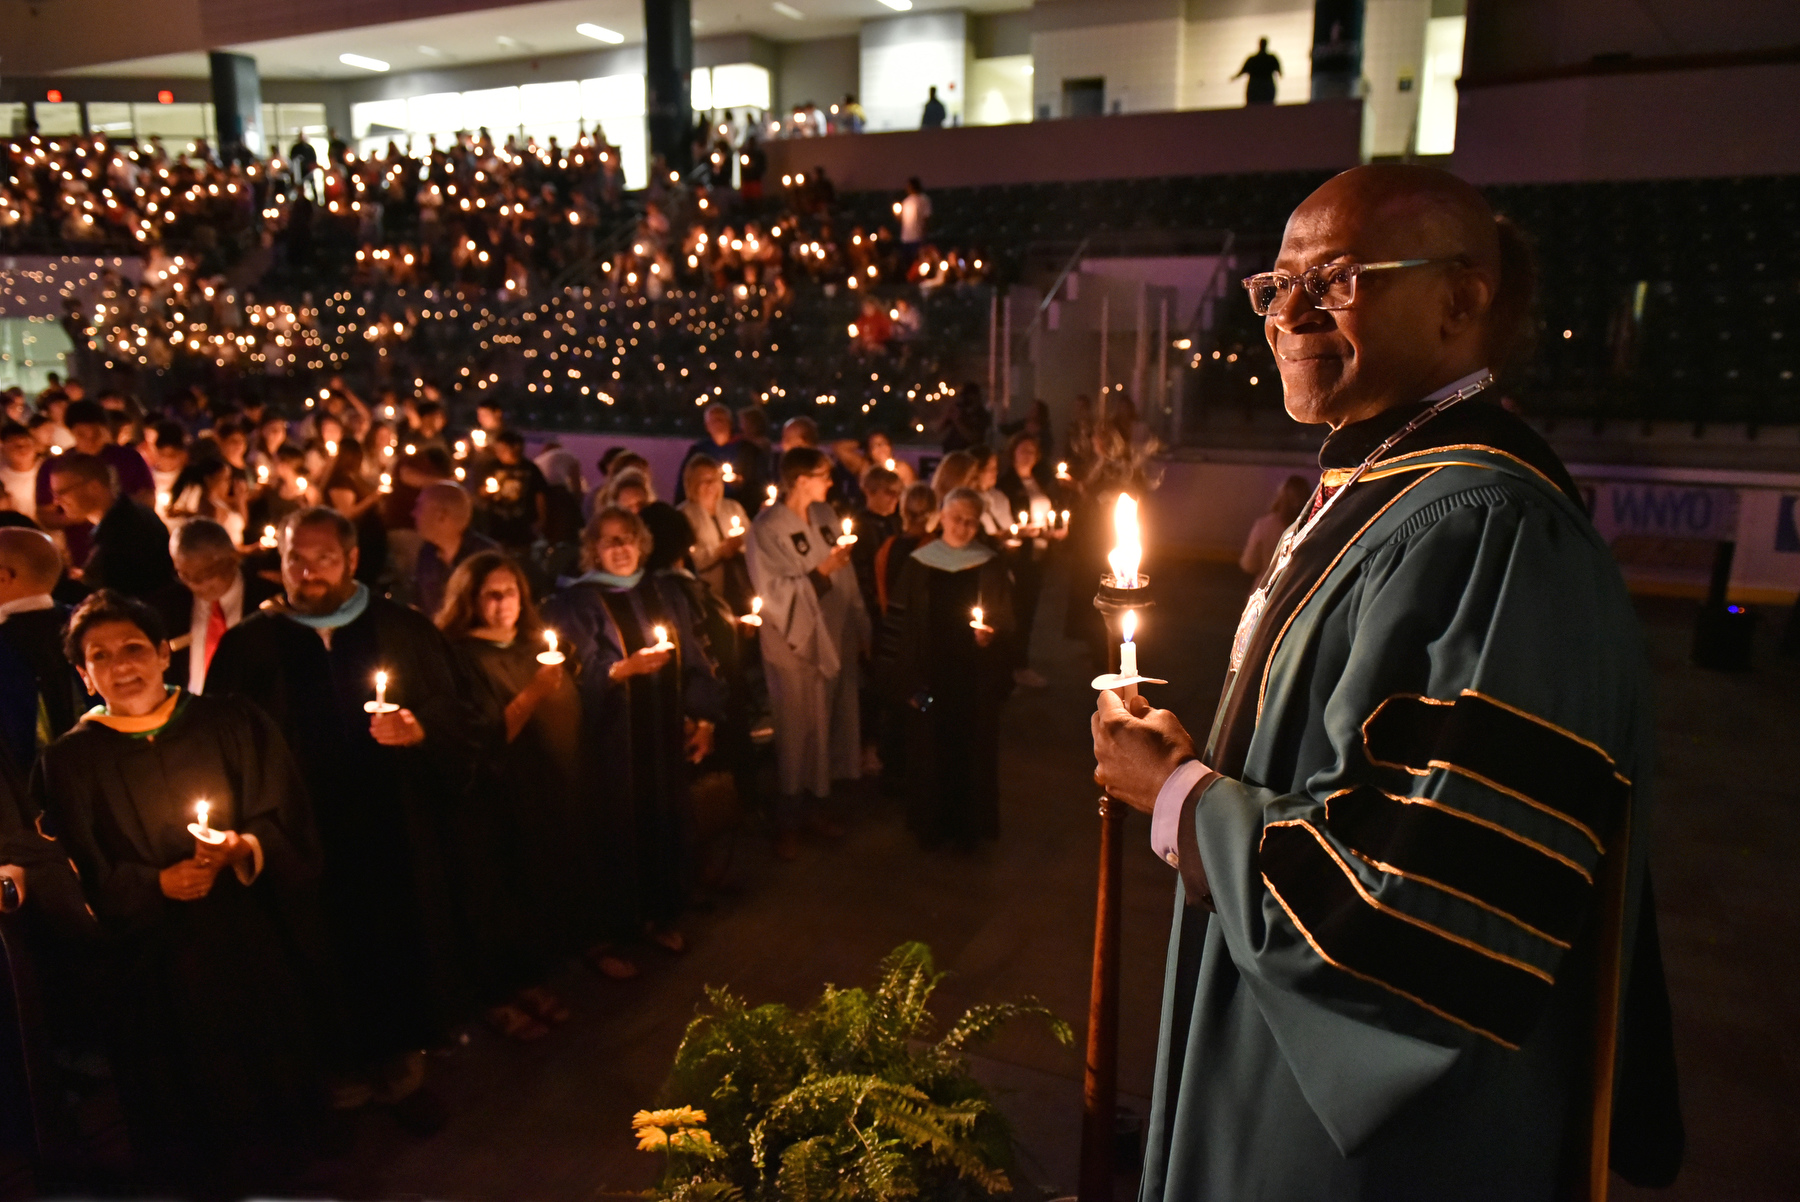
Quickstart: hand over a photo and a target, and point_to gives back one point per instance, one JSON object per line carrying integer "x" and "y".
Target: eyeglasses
{"x": 1331, "y": 285}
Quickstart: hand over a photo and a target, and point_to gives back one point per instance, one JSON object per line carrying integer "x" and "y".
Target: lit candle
{"x": 888, "y": 464}
{"x": 728, "y": 474}
{"x": 387, "y": 482}
{"x": 300, "y": 483}
{"x": 330, "y": 447}
{"x": 493, "y": 484}
{"x": 1065, "y": 519}
{"x": 737, "y": 526}
{"x": 1127, "y": 551}
{"x": 1024, "y": 518}
{"x": 754, "y": 617}
{"x": 462, "y": 448}
{"x": 552, "y": 656}
{"x": 1128, "y": 648}
{"x": 662, "y": 639}
{"x": 268, "y": 538}
{"x": 1062, "y": 471}
{"x": 772, "y": 494}
{"x": 262, "y": 473}
{"x": 381, "y": 705}
{"x": 847, "y": 539}
{"x": 478, "y": 437}
{"x": 201, "y": 827}
{"x": 975, "y": 619}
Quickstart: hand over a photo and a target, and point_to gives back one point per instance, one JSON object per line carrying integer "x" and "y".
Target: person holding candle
{"x": 212, "y": 975}
{"x": 650, "y": 701}
{"x": 379, "y": 782}
{"x": 948, "y": 672}
{"x": 720, "y": 529}
{"x": 814, "y": 632}
{"x": 723, "y": 446}
{"x": 537, "y": 878}
{"x": 1032, "y": 489}
{"x": 1416, "y": 955}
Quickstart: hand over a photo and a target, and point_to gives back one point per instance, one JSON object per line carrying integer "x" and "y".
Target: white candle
{"x": 551, "y": 656}
{"x": 268, "y": 537}
{"x": 662, "y": 638}
{"x": 262, "y": 473}
{"x": 381, "y": 688}
{"x": 889, "y": 465}
{"x": 478, "y": 437}
{"x": 772, "y": 494}
{"x": 975, "y": 620}
{"x": 201, "y": 828}
{"x": 846, "y": 539}
{"x": 1065, "y": 519}
{"x": 330, "y": 447}
{"x": 754, "y": 617}
{"x": 1128, "y": 648}
{"x": 737, "y": 526}
{"x": 493, "y": 484}
{"x": 1062, "y": 471}
{"x": 387, "y": 482}
{"x": 201, "y": 810}
{"x": 727, "y": 474}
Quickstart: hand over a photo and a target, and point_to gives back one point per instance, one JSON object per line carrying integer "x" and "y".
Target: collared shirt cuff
{"x": 1165, "y": 819}
{"x": 248, "y": 870}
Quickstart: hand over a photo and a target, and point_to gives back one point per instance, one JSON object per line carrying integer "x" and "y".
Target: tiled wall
{"x": 1215, "y": 47}
{"x": 903, "y": 57}
{"x": 1140, "y": 61}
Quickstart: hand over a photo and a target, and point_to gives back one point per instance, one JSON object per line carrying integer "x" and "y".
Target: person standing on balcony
{"x": 1260, "y": 69}
{"x": 933, "y": 117}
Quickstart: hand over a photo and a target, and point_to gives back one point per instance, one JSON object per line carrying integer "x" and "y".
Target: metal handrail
{"x": 1050, "y": 295}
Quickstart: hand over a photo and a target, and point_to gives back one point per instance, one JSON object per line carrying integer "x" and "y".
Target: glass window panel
{"x": 550, "y": 103}
{"x": 170, "y": 121}
{"x": 12, "y": 119}
{"x": 113, "y": 120}
{"x": 740, "y": 85}
{"x": 1438, "y": 96}
{"x": 700, "y": 88}
{"x": 495, "y": 108}
{"x": 57, "y": 120}
{"x": 374, "y": 119}
{"x": 614, "y": 104}
{"x": 439, "y": 113}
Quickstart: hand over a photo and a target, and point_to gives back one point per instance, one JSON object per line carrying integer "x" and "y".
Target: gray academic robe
{"x": 1442, "y": 752}
{"x": 813, "y": 632}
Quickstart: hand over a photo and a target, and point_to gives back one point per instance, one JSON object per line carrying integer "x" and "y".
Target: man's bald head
{"x": 1410, "y": 330}
{"x": 31, "y": 558}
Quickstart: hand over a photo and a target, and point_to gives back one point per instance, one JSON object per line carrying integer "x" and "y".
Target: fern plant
{"x": 849, "y": 1100}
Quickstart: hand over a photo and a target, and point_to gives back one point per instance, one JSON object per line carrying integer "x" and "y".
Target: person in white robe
{"x": 814, "y": 631}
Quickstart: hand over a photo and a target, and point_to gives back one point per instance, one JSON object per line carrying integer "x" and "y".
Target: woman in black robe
{"x": 949, "y": 676}
{"x": 1031, "y": 489}
{"x": 648, "y": 714}
{"x": 209, "y": 959}
{"x": 537, "y": 853}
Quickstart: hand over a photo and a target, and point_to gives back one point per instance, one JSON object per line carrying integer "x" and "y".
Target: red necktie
{"x": 215, "y": 630}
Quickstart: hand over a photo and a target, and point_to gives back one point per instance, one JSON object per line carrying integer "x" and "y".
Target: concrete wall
{"x": 1507, "y": 37}
{"x": 904, "y": 57}
{"x": 822, "y": 71}
{"x": 1217, "y": 38}
{"x": 1267, "y": 138}
{"x": 1135, "y": 45}
{"x": 1673, "y": 124}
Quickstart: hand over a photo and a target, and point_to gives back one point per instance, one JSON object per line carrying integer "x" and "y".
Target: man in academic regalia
{"x": 380, "y": 785}
{"x": 1414, "y": 946}
{"x": 40, "y": 696}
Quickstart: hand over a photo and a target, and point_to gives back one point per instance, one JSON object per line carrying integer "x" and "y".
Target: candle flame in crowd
{"x": 662, "y": 635}
{"x": 201, "y": 810}
{"x": 977, "y": 614}
{"x": 1127, "y": 551}
{"x": 550, "y": 639}
{"x": 756, "y": 605}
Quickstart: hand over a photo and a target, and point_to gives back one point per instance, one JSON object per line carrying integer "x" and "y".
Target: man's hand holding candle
{"x": 396, "y": 729}
{"x": 641, "y": 662}
{"x": 1136, "y": 747}
{"x": 188, "y": 880}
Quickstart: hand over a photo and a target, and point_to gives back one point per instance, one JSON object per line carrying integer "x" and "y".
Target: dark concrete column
{"x": 1337, "y": 48}
{"x": 668, "y": 67}
{"x": 237, "y": 107}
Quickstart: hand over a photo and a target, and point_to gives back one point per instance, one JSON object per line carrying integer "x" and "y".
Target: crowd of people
{"x": 327, "y": 735}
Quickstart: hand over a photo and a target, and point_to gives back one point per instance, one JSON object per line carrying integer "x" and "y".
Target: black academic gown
{"x": 635, "y": 775}
{"x": 547, "y": 884}
{"x": 948, "y": 689}
{"x": 208, "y": 1006}
{"x": 131, "y": 551}
{"x": 40, "y": 695}
{"x": 383, "y": 812}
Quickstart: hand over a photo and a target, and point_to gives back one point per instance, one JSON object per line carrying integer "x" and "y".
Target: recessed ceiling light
{"x": 431, "y": 52}
{"x": 367, "y": 64}
{"x": 600, "y": 33}
{"x": 506, "y": 41}
{"x": 898, "y": 6}
{"x": 788, "y": 11}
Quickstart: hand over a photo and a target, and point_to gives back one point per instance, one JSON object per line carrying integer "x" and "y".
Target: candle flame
{"x": 771, "y": 494}
{"x": 847, "y": 525}
{"x": 201, "y": 810}
{"x": 550, "y": 638}
{"x": 1128, "y": 624}
{"x": 889, "y": 465}
{"x": 977, "y": 612}
{"x": 662, "y": 635}
{"x": 756, "y": 605}
{"x": 1127, "y": 551}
